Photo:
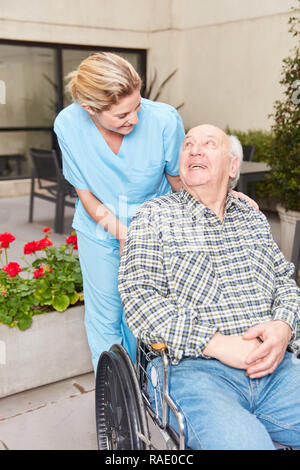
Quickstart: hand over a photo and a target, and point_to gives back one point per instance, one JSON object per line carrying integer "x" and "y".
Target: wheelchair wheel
{"x": 120, "y": 413}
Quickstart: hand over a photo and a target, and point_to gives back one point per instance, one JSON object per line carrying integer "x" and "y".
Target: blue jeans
{"x": 224, "y": 409}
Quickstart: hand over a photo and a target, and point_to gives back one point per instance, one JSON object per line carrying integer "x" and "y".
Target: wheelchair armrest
{"x": 159, "y": 346}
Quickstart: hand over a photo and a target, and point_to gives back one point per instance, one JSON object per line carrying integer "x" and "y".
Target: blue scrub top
{"x": 124, "y": 181}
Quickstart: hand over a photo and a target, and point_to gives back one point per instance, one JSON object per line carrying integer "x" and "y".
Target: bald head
{"x": 207, "y": 158}
{"x": 210, "y": 131}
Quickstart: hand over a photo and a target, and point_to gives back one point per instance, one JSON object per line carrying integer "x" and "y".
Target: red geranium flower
{"x": 12, "y": 269}
{"x": 38, "y": 272}
{"x": 43, "y": 269}
{"x": 46, "y": 229}
{"x": 30, "y": 247}
{"x": 72, "y": 240}
{"x": 5, "y": 239}
{"x": 41, "y": 244}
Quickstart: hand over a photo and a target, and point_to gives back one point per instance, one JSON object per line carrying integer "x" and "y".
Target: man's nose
{"x": 197, "y": 149}
{"x": 133, "y": 118}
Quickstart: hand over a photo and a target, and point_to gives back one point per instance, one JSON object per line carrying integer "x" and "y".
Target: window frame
{"x": 58, "y": 72}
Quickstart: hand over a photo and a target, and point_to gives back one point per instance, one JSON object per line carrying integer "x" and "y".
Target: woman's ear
{"x": 88, "y": 108}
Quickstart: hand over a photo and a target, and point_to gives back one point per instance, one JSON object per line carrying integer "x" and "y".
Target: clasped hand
{"x": 258, "y": 357}
{"x": 275, "y": 336}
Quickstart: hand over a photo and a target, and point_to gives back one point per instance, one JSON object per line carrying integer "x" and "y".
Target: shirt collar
{"x": 198, "y": 209}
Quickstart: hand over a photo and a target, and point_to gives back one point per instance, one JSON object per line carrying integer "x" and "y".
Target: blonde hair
{"x": 102, "y": 79}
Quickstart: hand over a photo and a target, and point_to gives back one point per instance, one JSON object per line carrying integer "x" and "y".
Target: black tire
{"x": 120, "y": 413}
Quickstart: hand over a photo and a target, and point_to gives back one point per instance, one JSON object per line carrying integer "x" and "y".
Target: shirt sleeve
{"x": 143, "y": 285}
{"x": 71, "y": 170}
{"x": 286, "y": 306}
{"x": 173, "y": 139}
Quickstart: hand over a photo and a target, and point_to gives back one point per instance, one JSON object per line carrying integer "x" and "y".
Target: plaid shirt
{"x": 185, "y": 275}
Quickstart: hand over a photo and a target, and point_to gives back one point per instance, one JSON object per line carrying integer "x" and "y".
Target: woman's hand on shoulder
{"x": 238, "y": 195}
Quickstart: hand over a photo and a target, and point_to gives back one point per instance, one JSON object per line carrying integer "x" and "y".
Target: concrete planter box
{"x": 288, "y": 221}
{"x": 53, "y": 348}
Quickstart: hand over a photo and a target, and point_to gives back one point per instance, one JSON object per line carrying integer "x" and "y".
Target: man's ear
{"x": 88, "y": 108}
{"x": 234, "y": 166}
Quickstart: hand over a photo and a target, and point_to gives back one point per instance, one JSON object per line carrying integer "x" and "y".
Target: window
{"x": 32, "y": 93}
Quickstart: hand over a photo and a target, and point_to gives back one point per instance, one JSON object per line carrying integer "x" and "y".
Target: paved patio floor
{"x": 59, "y": 416}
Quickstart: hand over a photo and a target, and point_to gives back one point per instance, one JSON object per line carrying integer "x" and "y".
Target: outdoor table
{"x": 251, "y": 172}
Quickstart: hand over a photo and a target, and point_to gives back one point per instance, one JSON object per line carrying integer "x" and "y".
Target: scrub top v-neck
{"x": 104, "y": 143}
{"x": 121, "y": 181}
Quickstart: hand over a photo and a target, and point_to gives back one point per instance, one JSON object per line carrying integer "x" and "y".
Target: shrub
{"x": 285, "y": 148}
{"x": 262, "y": 140}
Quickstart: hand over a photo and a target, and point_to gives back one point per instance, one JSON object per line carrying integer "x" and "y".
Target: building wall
{"x": 228, "y": 52}
{"x": 231, "y": 60}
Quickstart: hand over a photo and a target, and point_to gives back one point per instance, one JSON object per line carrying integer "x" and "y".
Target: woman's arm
{"x": 175, "y": 182}
{"x": 102, "y": 215}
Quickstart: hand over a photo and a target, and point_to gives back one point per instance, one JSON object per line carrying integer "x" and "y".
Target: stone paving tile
{"x": 68, "y": 424}
{"x": 57, "y": 416}
{"x": 29, "y": 400}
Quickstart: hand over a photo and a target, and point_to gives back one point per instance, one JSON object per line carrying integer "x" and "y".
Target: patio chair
{"x": 51, "y": 183}
{"x": 296, "y": 252}
{"x": 2, "y": 167}
{"x": 248, "y": 152}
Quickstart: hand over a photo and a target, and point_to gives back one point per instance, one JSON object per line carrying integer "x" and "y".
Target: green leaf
{"x": 74, "y": 297}
{"x": 24, "y": 323}
{"x": 61, "y": 302}
{"x": 6, "y": 318}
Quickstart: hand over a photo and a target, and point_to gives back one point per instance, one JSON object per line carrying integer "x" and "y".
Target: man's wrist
{"x": 288, "y": 328}
{"x": 286, "y": 316}
{"x": 214, "y": 346}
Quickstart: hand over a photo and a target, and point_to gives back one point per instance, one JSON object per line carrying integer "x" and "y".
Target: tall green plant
{"x": 149, "y": 90}
{"x": 284, "y": 157}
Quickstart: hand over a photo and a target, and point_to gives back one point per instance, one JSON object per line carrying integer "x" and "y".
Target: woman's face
{"x": 120, "y": 117}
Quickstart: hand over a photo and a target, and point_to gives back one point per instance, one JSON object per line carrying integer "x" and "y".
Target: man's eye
{"x": 122, "y": 117}
{"x": 211, "y": 142}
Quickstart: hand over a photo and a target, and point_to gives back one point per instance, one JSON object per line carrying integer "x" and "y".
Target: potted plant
{"x": 284, "y": 156}
{"x": 42, "y": 339}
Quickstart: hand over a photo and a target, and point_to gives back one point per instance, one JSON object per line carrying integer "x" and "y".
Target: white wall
{"x": 232, "y": 72}
{"x": 231, "y": 59}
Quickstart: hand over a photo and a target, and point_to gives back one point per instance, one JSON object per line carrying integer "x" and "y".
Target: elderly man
{"x": 200, "y": 271}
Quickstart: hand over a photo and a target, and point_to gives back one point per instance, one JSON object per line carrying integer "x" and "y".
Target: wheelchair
{"x": 123, "y": 403}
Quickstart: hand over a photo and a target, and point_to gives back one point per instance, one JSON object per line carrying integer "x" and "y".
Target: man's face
{"x": 205, "y": 158}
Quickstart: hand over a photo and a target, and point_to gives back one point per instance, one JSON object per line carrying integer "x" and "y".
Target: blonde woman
{"x": 118, "y": 150}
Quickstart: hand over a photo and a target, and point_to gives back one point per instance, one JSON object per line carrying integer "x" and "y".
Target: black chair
{"x": 248, "y": 152}
{"x": 296, "y": 251}
{"x": 2, "y": 167}
{"x": 47, "y": 172}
